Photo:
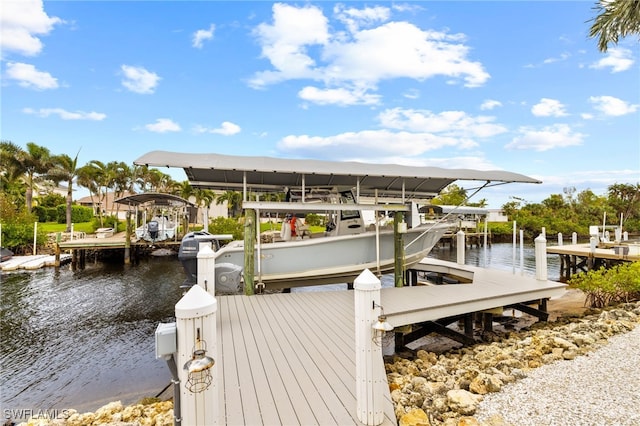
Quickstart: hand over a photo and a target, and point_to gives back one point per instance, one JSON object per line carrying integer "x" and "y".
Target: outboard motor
{"x": 188, "y": 253}
{"x": 228, "y": 278}
{"x": 152, "y": 228}
{"x": 227, "y": 275}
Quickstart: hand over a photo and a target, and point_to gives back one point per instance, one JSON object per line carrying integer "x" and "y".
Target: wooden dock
{"x": 80, "y": 246}
{"x": 289, "y": 358}
{"x": 576, "y": 258}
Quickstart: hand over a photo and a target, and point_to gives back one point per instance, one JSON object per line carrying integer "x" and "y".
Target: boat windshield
{"x": 346, "y": 197}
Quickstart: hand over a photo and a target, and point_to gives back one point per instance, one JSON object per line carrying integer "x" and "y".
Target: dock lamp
{"x": 381, "y": 326}
{"x": 199, "y": 367}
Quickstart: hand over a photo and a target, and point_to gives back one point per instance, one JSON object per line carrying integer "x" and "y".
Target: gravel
{"x": 600, "y": 388}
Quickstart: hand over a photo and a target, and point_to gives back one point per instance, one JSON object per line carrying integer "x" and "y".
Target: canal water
{"x": 82, "y": 339}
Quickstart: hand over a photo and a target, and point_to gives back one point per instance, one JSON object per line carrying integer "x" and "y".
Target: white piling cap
{"x": 196, "y": 303}
{"x": 205, "y": 252}
{"x": 366, "y": 281}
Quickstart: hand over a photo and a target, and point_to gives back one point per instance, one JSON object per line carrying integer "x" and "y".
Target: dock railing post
{"x": 370, "y": 379}
{"x": 35, "y": 237}
{"x": 197, "y": 357}
{"x": 541, "y": 257}
{"x": 207, "y": 269}
{"x": 461, "y": 245}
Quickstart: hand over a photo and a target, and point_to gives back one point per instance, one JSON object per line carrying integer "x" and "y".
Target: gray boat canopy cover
{"x": 157, "y": 198}
{"x": 225, "y": 172}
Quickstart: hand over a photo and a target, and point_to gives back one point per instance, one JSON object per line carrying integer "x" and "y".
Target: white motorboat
{"x": 343, "y": 251}
{"x": 159, "y": 228}
{"x": 300, "y": 258}
{"x": 337, "y": 259}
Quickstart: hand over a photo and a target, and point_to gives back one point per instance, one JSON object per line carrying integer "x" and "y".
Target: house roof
{"x": 157, "y": 198}
{"x": 224, "y": 172}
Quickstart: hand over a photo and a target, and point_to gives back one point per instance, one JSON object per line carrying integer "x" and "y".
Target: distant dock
{"x": 576, "y": 258}
{"x": 132, "y": 249}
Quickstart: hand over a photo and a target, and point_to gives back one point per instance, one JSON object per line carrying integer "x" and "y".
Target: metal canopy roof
{"x": 158, "y": 199}
{"x": 273, "y": 174}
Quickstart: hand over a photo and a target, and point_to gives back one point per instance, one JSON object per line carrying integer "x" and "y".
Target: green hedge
{"x": 78, "y": 214}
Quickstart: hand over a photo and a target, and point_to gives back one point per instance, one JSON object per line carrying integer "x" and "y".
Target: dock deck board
{"x": 289, "y": 358}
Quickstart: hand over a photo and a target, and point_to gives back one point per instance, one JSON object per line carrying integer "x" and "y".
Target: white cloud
{"x": 66, "y": 115}
{"x": 354, "y": 19}
{"x": 449, "y": 123}
{"x": 200, "y": 36}
{"x": 163, "y": 125}
{"x": 339, "y": 96}
{"x": 21, "y": 22}
{"x": 285, "y": 42}
{"x": 609, "y": 105}
{"x": 378, "y": 143}
{"x": 28, "y": 76}
{"x": 412, "y": 94}
{"x": 562, "y": 57}
{"x": 617, "y": 58}
{"x": 548, "y": 108}
{"x": 409, "y": 134}
{"x": 227, "y": 128}
{"x": 550, "y": 137}
{"x": 358, "y": 58}
{"x": 490, "y": 104}
{"x": 139, "y": 80}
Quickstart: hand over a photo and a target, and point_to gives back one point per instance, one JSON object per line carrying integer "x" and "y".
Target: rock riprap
{"x": 114, "y": 414}
{"x": 448, "y": 389}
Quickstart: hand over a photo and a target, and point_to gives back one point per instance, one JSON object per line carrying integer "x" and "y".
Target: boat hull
{"x": 327, "y": 260}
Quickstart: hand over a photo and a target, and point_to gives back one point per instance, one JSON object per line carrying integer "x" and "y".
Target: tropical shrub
{"x": 604, "y": 287}
{"x": 227, "y": 225}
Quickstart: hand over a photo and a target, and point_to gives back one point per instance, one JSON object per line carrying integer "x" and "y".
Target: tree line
{"x": 25, "y": 171}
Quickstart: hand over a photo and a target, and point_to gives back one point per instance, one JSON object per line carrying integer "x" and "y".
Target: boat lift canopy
{"x": 158, "y": 199}
{"x": 267, "y": 174}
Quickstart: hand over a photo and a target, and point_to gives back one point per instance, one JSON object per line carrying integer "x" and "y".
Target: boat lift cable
{"x": 448, "y": 214}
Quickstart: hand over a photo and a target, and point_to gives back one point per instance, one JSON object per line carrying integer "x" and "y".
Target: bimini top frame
{"x": 266, "y": 174}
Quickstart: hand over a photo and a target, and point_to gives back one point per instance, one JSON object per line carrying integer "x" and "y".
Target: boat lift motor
{"x": 152, "y": 227}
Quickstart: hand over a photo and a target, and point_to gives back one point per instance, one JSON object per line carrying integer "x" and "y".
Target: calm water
{"x": 80, "y": 340}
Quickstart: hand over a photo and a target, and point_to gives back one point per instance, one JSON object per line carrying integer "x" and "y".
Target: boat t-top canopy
{"x": 157, "y": 198}
{"x": 224, "y": 172}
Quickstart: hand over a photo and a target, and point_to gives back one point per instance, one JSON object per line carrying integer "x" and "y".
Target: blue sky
{"x": 509, "y": 85}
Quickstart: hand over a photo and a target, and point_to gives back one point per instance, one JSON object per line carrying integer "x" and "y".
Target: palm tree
{"x": 11, "y": 173}
{"x": 616, "y": 19}
{"x": 121, "y": 179}
{"x": 32, "y": 162}
{"x": 204, "y": 198}
{"x": 65, "y": 169}
{"x": 184, "y": 189}
{"x": 99, "y": 178}
{"x": 233, "y": 200}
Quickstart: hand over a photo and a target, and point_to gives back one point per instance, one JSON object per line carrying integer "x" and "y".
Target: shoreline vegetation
{"x": 439, "y": 385}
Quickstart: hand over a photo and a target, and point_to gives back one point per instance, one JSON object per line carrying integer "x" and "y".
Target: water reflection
{"x": 72, "y": 339}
